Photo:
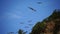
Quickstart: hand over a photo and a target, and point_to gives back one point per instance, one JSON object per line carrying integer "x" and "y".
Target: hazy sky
{"x": 15, "y": 14}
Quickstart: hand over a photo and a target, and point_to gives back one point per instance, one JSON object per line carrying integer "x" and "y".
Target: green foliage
{"x": 38, "y": 27}
{"x": 41, "y": 25}
{"x": 21, "y": 32}
{"x": 55, "y": 15}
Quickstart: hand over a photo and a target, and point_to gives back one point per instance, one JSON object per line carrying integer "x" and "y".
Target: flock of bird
{"x": 21, "y": 23}
{"x": 34, "y": 10}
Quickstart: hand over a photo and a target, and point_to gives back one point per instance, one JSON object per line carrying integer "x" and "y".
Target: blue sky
{"x": 14, "y": 12}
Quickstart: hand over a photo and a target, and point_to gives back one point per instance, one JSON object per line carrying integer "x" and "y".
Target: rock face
{"x": 50, "y": 25}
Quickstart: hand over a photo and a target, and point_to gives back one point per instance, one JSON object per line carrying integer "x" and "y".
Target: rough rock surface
{"x": 50, "y": 25}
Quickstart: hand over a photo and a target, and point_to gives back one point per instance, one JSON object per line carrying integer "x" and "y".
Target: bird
{"x": 32, "y": 8}
{"x": 11, "y": 33}
{"x": 30, "y": 24}
{"x": 26, "y": 27}
{"x": 30, "y": 21}
{"x": 39, "y": 2}
{"x": 21, "y": 23}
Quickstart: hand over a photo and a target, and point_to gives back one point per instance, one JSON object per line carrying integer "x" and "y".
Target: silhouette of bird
{"x": 30, "y": 24}
{"x": 21, "y": 23}
{"x": 11, "y": 33}
{"x": 26, "y": 27}
{"x": 39, "y": 2}
{"x": 30, "y": 21}
{"x": 31, "y": 8}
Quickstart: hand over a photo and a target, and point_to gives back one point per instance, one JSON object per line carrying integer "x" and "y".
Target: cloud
{"x": 15, "y": 16}
{"x": 11, "y": 16}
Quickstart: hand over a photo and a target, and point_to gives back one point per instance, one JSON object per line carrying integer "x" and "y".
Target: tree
{"x": 41, "y": 27}
{"x": 21, "y": 31}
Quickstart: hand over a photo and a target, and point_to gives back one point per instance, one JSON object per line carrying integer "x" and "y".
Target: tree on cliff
{"x": 41, "y": 26}
{"x": 21, "y": 31}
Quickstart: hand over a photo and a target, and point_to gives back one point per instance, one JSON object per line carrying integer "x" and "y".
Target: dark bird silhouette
{"x": 30, "y": 24}
{"x": 21, "y": 23}
{"x": 11, "y": 33}
{"x": 31, "y": 8}
{"x": 26, "y": 27}
{"x": 30, "y": 21}
{"x": 39, "y": 2}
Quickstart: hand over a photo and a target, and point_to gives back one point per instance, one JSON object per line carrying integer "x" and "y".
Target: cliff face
{"x": 50, "y": 25}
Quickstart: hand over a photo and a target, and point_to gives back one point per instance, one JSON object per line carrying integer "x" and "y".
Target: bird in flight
{"x": 32, "y": 8}
{"x": 30, "y": 24}
{"x": 30, "y": 21}
{"x": 39, "y": 2}
{"x": 11, "y": 33}
{"x": 21, "y": 23}
{"x": 26, "y": 27}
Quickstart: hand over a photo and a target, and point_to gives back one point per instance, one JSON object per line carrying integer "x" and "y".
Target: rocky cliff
{"x": 50, "y": 25}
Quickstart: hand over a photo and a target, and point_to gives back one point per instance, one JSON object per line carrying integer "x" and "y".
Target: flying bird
{"x": 26, "y": 27}
{"x": 21, "y": 23}
{"x": 30, "y": 24}
{"x": 30, "y": 21}
{"x": 39, "y": 2}
{"x": 32, "y": 8}
{"x": 11, "y": 33}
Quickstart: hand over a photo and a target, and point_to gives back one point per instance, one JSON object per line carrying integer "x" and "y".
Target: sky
{"x": 15, "y": 14}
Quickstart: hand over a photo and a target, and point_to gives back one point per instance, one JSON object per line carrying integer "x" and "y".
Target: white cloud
{"x": 11, "y": 16}
{"x": 15, "y": 16}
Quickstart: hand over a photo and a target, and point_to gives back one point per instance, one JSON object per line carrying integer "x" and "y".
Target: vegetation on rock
{"x": 50, "y": 25}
